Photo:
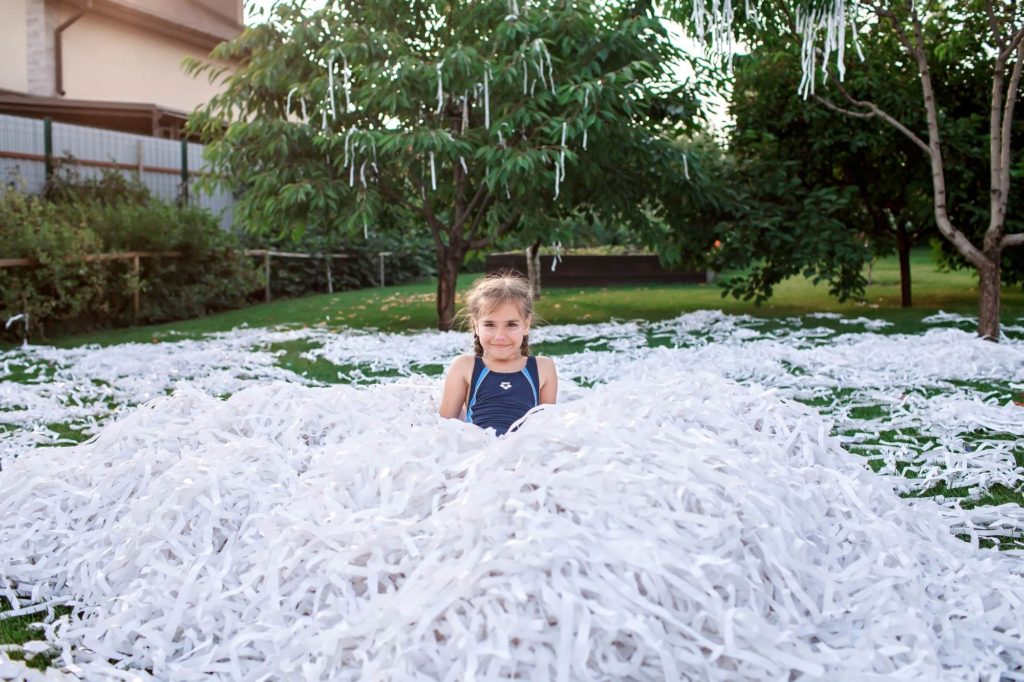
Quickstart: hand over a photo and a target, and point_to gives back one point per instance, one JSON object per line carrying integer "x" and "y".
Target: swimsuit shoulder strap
{"x": 479, "y": 372}
{"x": 478, "y": 367}
{"x": 533, "y": 375}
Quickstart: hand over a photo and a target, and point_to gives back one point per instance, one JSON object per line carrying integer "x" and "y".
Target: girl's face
{"x": 501, "y": 331}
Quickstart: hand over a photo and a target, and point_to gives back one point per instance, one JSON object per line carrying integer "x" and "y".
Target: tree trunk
{"x": 903, "y": 243}
{"x": 447, "y": 275}
{"x": 533, "y": 268}
{"x": 531, "y": 271}
{"x": 989, "y": 282}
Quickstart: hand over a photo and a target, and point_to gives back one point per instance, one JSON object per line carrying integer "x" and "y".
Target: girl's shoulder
{"x": 463, "y": 363}
{"x": 544, "y": 363}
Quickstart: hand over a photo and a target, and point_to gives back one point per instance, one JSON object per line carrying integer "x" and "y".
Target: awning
{"x": 130, "y": 117}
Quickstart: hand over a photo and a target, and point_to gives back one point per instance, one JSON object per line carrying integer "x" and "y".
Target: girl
{"x": 502, "y": 381}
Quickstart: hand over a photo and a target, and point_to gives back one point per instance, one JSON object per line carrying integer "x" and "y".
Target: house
{"x": 113, "y": 64}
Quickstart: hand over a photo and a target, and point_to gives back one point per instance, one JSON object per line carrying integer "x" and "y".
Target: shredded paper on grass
{"x": 709, "y": 530}
{"x": 662, "y": 522}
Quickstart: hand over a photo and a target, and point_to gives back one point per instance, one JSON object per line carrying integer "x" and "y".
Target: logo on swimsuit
{"x": 506, "y": 385}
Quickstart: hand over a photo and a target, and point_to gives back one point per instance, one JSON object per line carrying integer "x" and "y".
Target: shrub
{"x": 66, "y": 184}
{"x": 210, "y": 274}
{"x": 55, "y": 289}
{"x": 65, "y": 294}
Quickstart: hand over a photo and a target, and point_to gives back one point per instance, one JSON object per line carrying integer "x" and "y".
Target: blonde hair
{"x": 487, "y": 293}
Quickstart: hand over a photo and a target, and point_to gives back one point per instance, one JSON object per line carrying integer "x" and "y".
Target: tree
{"x": 923, "y": 29}
{"x": 890, "y": 205}
{"x": 482, "y": 119}
{"x": 773, "y": 224}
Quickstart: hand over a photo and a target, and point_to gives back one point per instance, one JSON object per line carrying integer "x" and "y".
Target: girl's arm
{"x": 456, "y": 387}
{"x": 548, "y": 380}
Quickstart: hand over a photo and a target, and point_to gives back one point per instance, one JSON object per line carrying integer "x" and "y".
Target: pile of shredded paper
{"x": 680, "y": 515}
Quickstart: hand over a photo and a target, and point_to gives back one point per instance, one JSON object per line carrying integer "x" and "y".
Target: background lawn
{"x": 411, "y": 306}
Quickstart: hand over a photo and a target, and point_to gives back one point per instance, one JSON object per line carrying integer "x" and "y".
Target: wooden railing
{"x": 135, "y": 257}
{"x": 327, "y": 257}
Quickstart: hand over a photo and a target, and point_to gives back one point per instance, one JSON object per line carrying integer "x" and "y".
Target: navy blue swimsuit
{"x": 498, "y": 399}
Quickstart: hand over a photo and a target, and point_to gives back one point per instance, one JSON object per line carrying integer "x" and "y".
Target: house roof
{"x": 131, "y": 117}
{"x": 202, "y": 22}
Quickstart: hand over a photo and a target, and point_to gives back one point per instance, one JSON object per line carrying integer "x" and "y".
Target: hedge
{"x": 64, "y": 294}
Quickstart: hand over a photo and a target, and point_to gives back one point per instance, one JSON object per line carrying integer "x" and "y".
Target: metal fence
{"x": 30, "y": 148}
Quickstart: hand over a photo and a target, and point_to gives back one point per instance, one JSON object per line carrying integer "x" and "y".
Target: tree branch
{"x": 480, "y": 214}
{"x": 901, "y": 35}
{"x": 502, "y": 229}
{"x": 512, "y": 221}
{"x": 790, "y": 21}
{"x": 1016, "y": 239}
{"x": 916, "y": 50}
{"x": 877, "y": 111}
{"x": 845, "y": 112}
{"x": 436, "y": 227}
{"x": 395, "y": 196}
{"x": 1011, "y": 44}
{"x": 459, "y": 198}
{"x": 993, "y": 24}
{"x": 1001, "y": 191}
{"x": 460, "y": 218}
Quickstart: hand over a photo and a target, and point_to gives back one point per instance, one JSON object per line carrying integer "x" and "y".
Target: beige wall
{"x": 13, "y": 59}
{"x": 108, "y": 60}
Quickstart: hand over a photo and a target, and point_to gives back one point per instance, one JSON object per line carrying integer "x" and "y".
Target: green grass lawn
{"x": 19, "y": 630}
{"x": 411, "y": 306}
